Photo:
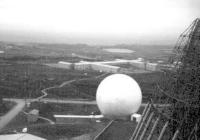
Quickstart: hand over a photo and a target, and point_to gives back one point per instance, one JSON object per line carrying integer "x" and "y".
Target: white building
{"x": 82, "y": 66}
{"x": 76, "y": 118}
{"x": 139, "y": 64}
{"x": 66, "y": 65}
{"x": 105, "y": 68}
{"x": 33, "y": 115}
{"x": 140, "y": 59}
{"x": 152, "y": 67}
{"x": 1, "y": 52}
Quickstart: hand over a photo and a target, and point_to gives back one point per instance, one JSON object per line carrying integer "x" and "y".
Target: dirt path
{"x": 20, "y": 103}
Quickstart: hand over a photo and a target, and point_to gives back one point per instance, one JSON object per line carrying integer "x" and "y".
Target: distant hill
{"x": 37, "y": 50}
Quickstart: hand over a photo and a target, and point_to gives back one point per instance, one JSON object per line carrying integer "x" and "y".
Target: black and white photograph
{"x": 99, "y": 69}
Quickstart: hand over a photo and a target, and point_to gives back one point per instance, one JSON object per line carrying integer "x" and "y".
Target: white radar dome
{"x": 118, "y": 96}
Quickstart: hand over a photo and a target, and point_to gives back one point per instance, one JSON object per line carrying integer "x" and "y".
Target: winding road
{"x": 20, "y": 103}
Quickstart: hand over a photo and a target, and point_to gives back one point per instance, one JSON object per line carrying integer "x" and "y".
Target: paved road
{"x": 71, "y": 101}
{"x": 4, "y": 120}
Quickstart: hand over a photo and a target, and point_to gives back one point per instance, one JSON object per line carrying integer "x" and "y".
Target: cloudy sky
{"x": 96, "y": 21}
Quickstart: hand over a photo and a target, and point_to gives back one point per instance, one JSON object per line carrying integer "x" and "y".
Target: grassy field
{"x": 23, "y": 75}
{"x": 49, "y": 109}
{"x": 27, "y": 80}
{"x": 147, "y": 82}
{"x": 56, "y": 52}
{"x": 53, "y": 132}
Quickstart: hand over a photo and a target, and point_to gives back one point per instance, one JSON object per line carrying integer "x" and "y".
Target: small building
{"x": 140, "y": 59}
{"x": 66, "y": 65}
{"x": 160, "y": 61}
{"x": 139, "y": 64}
{"x": 152, "y": 67}
{"x": 105, "y": 68}
{"x": 82, "y": 66}
{"x": 1, "y": 52}
{"x": 33, "y": 115}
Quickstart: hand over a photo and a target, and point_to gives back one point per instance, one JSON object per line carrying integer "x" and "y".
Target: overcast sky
{"x": 96, "y": 21}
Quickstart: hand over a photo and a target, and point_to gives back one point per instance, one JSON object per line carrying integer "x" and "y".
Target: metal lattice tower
{"x": 181, "y": 87}
{"x": 187, "y": 41}
{"x": 187, "y": 80}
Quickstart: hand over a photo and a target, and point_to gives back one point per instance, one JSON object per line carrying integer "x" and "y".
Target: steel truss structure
{"x": 181, "y": 87}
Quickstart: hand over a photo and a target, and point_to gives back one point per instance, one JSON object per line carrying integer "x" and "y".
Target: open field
{"x": 122, "y": 129}
{"x": 57, "y": 131}
{"x": 27, "y": 80}
{"x": 5, "y": 107}
{"x": 44, "y": 129}
{"x": 50, "y": 109}
{"x": 23, "y": 75}
{"x": 147, "y": 82}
